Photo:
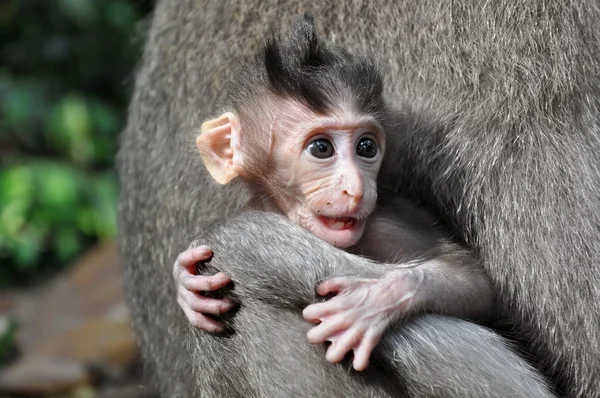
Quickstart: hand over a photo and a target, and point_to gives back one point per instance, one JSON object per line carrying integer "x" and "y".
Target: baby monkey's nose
{"x": 354, "y": 196}
{"x": 352, "y": 185}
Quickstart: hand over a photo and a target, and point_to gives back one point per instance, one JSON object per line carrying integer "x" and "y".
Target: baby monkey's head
{"x": 304, "y": 128}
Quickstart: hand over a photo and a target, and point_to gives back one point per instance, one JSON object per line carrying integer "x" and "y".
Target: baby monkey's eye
{"x": 320, "y": 148}
{"x": 366, "y": 148}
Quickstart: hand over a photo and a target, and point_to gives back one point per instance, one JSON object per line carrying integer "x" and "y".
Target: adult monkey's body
{"x": 503, "y": 139}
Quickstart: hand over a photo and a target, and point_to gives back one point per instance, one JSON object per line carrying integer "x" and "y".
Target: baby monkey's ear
{"x": 217, "y": 143}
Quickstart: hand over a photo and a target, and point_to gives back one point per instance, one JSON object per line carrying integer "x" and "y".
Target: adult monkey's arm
{"x": 505, "y": 145}
{"x": 276, "y": 265}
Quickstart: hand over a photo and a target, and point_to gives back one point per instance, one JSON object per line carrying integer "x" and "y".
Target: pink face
{"x": 333, "y": 162}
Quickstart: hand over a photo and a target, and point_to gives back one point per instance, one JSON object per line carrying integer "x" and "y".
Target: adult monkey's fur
{"x": 500, "y": 131}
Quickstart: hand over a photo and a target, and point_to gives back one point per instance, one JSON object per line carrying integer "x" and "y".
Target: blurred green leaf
{"x": 120, "y": 14}
{"x": 58, "y": 189}
{"x": 16, "y": 195}
{"x": 8, "y": 334}
{"x": 86, "y": 220}
{"x": 105, "y": 118}
{"x": 105, "y": 206}
{"x": 64, "y": 83}
{"x": 13, "y": 218}
{"x": 70, "y": 128}
{"x": 28, "y": 248}
{"x": 16, "y": 184}
{"x": 68, "y": 243}
{"x": 107, "y": 123}
{"x": 54, "y": 207}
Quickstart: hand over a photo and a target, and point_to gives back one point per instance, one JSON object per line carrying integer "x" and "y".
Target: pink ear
{"x": 215, "y": 146}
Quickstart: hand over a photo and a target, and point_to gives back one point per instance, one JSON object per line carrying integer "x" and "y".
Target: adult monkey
{"x": 502, "y": 140}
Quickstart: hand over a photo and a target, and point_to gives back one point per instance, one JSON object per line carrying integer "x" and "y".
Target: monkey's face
{"x": 320, "y": 171}
{"x": 332, "y": 168}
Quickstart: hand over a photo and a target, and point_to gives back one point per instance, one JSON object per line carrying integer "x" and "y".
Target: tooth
{"x": 338, "y": 225}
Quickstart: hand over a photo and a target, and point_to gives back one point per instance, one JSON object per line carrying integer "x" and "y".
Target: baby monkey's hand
{"x": 361, "y": 311}
{"x": 189, "y": 286}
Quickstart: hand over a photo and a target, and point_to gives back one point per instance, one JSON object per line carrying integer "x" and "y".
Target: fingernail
{"x": 230, "y": 303}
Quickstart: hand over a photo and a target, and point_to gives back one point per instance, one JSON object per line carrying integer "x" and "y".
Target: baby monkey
{"x": 306, "y": 134}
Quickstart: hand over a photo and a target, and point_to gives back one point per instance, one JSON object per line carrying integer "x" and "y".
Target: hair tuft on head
{"x": 297, "y": 65}
{"x": 291, "y": 60}
{"x": 304, "y": 37}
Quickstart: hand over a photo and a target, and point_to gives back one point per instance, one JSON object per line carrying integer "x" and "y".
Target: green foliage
{"x": 8, "y": 333}
{"x": 65, "y": 79}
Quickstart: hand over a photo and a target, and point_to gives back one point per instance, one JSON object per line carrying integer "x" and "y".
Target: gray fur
{"x": 455, "y": 283}
{"x": 279, "y": 264}
{"x": 499, "y": 133}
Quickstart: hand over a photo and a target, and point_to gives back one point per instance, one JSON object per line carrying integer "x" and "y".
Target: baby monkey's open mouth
{"x": 338, "y": 223}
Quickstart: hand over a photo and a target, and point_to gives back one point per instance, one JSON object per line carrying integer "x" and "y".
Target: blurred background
{"x": 66, "y": 74}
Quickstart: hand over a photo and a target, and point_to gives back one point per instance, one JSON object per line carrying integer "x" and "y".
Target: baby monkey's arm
{"x": 428, "y": 273}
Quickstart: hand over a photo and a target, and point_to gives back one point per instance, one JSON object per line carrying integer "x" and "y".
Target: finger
{"x": 203, "y": 248}
{"x": 207, "y": 305}
{"x": 177, "y": 270}
{"x": 333, "y": 339}
{"x": 324, "y": 330}
{"x": 191, "y": 256}
{"x": 364, "y": 350}
{"x": 332, "y": 285}
{"x": 315, "y": 312}
{"x": 187, "y": 260}
{"x": 345, "y": 343}
{"x": 205, "y": 283}
{"x": 202, "y": 322}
